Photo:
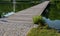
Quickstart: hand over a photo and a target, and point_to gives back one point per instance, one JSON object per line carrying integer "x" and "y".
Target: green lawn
{"x": 42, "y": 32}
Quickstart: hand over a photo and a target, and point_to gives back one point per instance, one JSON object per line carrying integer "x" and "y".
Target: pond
{"x": 52, "y": 23}
{"x": 51, "y": 15}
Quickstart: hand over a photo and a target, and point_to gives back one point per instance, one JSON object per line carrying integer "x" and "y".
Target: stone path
{"x": 20, "y": 23}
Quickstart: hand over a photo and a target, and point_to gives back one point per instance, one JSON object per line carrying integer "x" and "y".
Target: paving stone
{"x": 20, "y": 23}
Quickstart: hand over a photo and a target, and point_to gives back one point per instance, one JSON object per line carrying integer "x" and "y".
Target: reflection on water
{"x": 52, "y": 23}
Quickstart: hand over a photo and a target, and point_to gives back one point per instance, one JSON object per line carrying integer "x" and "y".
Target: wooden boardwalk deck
{"x": 20, "y": 23}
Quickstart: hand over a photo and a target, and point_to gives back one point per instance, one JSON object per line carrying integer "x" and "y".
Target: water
{"x": 9, "y": 14}
{"x": 52, "y": 23}
{"x": 6, "y": 16}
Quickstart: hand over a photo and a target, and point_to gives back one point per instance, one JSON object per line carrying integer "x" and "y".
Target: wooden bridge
{"x": 19, "y": 23}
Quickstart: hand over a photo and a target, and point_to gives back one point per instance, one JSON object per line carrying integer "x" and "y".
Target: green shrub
{"x": 38, "y": 20}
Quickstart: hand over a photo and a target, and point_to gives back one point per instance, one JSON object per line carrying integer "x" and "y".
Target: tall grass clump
{"x": 38, "y": 20}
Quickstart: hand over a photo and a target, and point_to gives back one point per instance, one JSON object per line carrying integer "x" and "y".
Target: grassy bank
{"x": 42, "y": 32}
{"x": 43, "y": 29}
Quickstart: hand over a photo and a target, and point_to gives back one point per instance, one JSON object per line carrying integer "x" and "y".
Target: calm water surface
{"x": 52, "y": 23}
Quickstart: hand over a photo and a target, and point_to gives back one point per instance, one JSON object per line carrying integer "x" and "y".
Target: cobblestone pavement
{"x": 20, "y": 23}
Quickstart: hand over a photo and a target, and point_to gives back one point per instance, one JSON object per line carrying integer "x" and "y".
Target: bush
{"x": 38, "y": 20}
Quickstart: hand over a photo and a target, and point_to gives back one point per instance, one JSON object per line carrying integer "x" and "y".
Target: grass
{"x": 6, "y": 7}
{"x": 36, "y": 19}
{"x": 43, "y": 32}
{"x": 54, "y": 10}
{"x": 22, "y": 5}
